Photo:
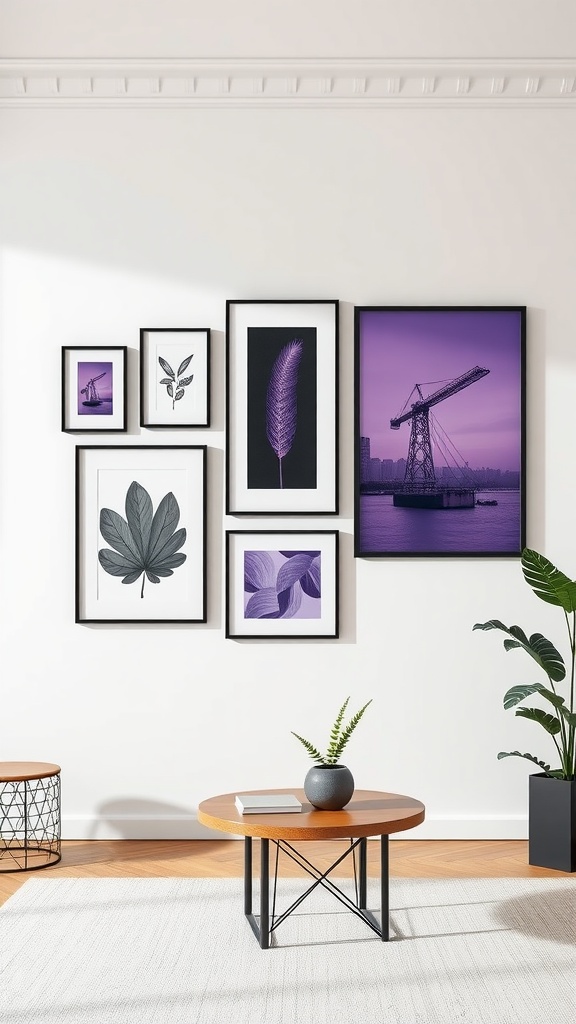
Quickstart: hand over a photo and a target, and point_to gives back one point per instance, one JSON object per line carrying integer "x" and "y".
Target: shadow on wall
{"x": 132, "y": 817}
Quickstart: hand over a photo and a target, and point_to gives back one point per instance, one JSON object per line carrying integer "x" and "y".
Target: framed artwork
{"x": 141, "y": 533}
{"x": 440, "y": 430}
{"x": 282, "y": 407}
{"x": 94, "y": 388}
{"x": 281, "y": 584}
{"x": 175, "y": 377}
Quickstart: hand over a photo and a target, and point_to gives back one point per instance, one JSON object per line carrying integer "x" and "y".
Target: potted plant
{"x": 329, "y": 785}
{"x": 552, "y": 791}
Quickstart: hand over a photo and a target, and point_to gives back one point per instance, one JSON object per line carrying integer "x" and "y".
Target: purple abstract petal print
{"x": 290, "y": 554}
{"x": 259, "y": 571}
{"x": 289, "y": 601}
{"x": 292, "y": 570}
{"x": 292, "y": 585}
{"x": 262, "y": 605}
{"x": 310, "y": 582}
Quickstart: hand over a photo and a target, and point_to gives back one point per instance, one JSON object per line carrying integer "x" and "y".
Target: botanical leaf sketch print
{"x": 281, "y": 400}
{"x": 175, "y": 384}
{"x": 145, "y": 543}
{"x": 278, "y": 582}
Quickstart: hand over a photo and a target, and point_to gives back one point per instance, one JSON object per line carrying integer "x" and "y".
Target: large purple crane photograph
{"x": 439, "y": 430}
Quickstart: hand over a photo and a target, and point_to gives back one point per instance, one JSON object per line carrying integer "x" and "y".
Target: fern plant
{"x": 339, "y": 736}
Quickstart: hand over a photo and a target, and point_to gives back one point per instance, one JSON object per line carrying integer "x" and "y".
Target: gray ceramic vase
{"x": 329, "y": 787}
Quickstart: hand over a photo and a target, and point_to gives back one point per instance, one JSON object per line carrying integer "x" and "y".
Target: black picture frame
{"x": 103, "y": 409}
{"x": 307, "y": 608}
{"x": 282, "y": 397}
{"x": 146, "y": 492}
{"x": 428, "y": 349}
{"x": 158, "y": 398}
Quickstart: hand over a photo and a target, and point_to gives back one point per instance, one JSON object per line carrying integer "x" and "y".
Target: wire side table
{"x": 29, "y": 815}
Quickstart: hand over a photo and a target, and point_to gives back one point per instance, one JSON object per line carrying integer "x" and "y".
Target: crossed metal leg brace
{"x": 268, "y": 921}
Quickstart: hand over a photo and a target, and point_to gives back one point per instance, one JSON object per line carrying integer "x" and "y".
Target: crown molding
{"x": 287, "y": 83}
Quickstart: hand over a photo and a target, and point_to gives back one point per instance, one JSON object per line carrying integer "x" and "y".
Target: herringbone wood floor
{"x": 224, "y": 859}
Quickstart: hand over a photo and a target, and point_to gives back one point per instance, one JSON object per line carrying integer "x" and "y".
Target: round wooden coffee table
{"x": 29, "y": 815}
{"x": 369, "y": 813}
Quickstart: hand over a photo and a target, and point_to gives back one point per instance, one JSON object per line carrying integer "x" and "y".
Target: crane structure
{"x": 92, "y": 396}
{"x": 420, "y": 485}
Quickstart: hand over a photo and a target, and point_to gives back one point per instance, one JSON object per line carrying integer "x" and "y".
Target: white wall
{"x": 114, "y": 219}
{"x": 276, "y": 28}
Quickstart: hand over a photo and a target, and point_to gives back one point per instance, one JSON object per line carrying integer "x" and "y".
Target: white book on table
{"x": 267, "y": 803}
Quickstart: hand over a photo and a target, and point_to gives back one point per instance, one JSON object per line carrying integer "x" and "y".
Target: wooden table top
{"x": 23, "y": 771}
{"x": 369, "y": 813}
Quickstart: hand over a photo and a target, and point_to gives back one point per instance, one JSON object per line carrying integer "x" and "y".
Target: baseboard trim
{"x": 171, "y": 826}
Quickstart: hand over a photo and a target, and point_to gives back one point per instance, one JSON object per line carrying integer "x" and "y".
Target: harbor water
{"x": 387, "y": 529}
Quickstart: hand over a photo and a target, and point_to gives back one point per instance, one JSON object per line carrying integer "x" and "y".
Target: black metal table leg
{"x": 267, "y": 923}
{"x": 362, "y": 858}
{"x": 384, "y": 888}
{"x": 264, "y": 894}
{"x": 248, "y": 874}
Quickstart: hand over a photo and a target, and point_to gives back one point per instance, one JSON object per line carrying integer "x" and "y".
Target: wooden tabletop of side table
{"x": 369, "y": 813}
{"x": 25, "y": 771}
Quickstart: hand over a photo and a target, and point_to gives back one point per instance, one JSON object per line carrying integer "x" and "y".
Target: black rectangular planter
{"x": 552, "y": 823}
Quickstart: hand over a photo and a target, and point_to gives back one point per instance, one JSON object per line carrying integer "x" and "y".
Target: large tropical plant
{"x": 552, "y": 586}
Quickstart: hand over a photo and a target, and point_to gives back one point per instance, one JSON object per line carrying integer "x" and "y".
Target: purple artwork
{"x": 282, "y": 407}
{"x": 282, "y": 585}
{"x": 282, "y": 403}
{"x": 95, "y": 389}
{"x": 439, "y": 431}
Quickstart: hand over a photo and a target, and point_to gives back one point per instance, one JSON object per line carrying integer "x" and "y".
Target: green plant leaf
{"x": 347, "y": 732}
{"x": 335, "y": 732}
{"x": 537, "y": 646}
{"x": 548, "y": 722}
{"x": 547, "y": 582}
{"x": 517, "y": 693}
{"x": 529, "y": 757}
{"x": 338, "y": 739}
{"x": 314, "y": 754}
{"x": 570, "y": 716}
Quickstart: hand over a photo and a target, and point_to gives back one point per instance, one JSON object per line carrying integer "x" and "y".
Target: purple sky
{"x": 400, "y": 349}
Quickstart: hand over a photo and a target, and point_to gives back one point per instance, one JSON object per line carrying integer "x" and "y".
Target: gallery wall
{"x": 116, "y": 218}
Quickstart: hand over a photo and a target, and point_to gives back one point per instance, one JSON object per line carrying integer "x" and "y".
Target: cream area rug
{"x": 179, "y": 951}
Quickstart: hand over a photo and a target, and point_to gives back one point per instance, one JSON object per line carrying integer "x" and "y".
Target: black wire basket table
{"x": 29, "y": 815}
